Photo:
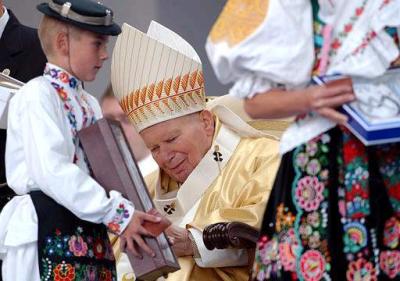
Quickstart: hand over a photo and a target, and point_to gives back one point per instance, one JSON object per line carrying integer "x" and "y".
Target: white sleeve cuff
{"x": 120, "y": 215}
{"x": 216, "y": 257}
{"x": 249, "y": 86}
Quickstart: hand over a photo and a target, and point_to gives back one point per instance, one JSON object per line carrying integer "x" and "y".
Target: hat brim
{"x": 111, "y": 30}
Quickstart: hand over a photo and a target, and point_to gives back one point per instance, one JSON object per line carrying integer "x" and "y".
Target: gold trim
{"x": 267, "y": 125}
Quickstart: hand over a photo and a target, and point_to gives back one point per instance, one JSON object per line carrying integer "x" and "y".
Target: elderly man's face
{"x": 179, "y": 144}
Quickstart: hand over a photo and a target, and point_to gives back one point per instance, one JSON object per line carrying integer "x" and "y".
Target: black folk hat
{"x": 85, "y": 14}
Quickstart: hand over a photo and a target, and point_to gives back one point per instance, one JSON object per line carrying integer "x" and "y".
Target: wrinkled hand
{"x": 179, "y": 238}
{"x": 132, "y": 235}
{"x": 324, "y": 100}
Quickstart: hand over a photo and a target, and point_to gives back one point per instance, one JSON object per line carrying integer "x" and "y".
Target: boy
{"x": 57, "y": 229}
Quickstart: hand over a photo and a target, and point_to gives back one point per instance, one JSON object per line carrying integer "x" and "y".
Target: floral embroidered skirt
{"x": 333, "y": 214}
{"x": 70, "y": 248}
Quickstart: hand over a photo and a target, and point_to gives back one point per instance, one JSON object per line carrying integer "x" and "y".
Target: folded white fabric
{"x": 279, "y": 50}
{"x": 18, "y": 223}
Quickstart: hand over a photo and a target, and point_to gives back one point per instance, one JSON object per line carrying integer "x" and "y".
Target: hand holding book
{"x": 374, "y": 117}
{"x": 156, "y": 228}
{"x": 325, "y": 100}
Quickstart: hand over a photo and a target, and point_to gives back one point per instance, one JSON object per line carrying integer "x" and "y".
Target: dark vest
{"x": 22, "y": 55}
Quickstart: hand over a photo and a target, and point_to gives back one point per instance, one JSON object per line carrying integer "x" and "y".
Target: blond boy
{"x": 57, "y": 228}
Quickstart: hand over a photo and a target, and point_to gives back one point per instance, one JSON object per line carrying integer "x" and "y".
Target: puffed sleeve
{"x": 259, "y": 45}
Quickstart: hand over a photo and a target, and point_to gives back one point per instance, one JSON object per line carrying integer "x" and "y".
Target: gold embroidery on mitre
{"x": 193, "y": 79}
{"x": 238, "y": 20}
{"x": 159, "y": 88}
{"x": 150, "y": 92}
{"x": 184, "y": 101}
{"x": 124, "y": 104}
{"x": 167, "y": 86}
{"x": 176, "y": 84}
{"x": 184, "y": 81}
{"x": 170, "y": 98}
{"x": 143, "y": 93}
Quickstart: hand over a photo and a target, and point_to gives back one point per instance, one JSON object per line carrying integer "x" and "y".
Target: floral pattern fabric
{"x": 77, "y": 257}
{"x": 69, "y": 89}
{"x": 121, "y": 214}
{"x": 339, "y": 217}
{"x": 334, "y": 213}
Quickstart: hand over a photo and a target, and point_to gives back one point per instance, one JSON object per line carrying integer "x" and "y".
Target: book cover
{"x": 374, "y": 117}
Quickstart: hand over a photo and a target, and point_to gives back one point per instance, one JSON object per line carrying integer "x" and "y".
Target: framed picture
{"x": 113, "y": 166}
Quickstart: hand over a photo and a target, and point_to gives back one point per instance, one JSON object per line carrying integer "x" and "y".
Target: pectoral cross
{"x": 169, "y": 208}
{"x": 218, "y": 156}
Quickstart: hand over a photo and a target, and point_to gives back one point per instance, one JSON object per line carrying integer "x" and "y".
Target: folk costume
{"x": 56, "y": 228}
{"x": 334, "y": 212}
{"x": 161, "y": 81}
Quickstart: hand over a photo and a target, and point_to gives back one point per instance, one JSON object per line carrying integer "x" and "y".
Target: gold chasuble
{"x": 238, "y": 192}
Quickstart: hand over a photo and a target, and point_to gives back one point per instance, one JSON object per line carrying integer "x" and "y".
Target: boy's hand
{"x": 156, "y": 228}
{"x": 134, "y": 231}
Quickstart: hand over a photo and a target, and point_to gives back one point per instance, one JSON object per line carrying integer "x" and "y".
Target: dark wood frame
{"x": 114, "y": 167}
{"x": 238, "y": 235}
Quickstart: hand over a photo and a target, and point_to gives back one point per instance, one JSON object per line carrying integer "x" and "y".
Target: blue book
{"x": 375, "y": 115}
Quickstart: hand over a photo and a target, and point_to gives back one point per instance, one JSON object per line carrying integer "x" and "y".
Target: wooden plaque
{"x": 114, "y": 167}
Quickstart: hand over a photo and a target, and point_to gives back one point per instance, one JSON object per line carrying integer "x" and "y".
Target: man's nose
{"x": 166, "y": 155}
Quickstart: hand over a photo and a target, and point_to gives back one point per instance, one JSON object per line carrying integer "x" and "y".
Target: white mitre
{"x": 156, "y": 76}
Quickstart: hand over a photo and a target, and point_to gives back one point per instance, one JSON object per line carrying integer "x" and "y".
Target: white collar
{"x": 3, "y": 21}
{"x": 61, "y": 76}
{"x": 175, "y": 204}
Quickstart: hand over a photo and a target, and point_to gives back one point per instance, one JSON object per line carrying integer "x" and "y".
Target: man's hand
{"x": 324, "y": 100}
{"x": 132, "y": 234}
{"x": 179, "y": 238}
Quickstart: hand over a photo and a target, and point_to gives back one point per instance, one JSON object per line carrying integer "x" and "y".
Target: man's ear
{"x": 208, "y": 122}
{"x": 61, "y": 42}
{"x": 1, "y": 8}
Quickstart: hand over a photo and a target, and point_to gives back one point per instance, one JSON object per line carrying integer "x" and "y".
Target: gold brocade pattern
{"x": 238, "y": 20}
